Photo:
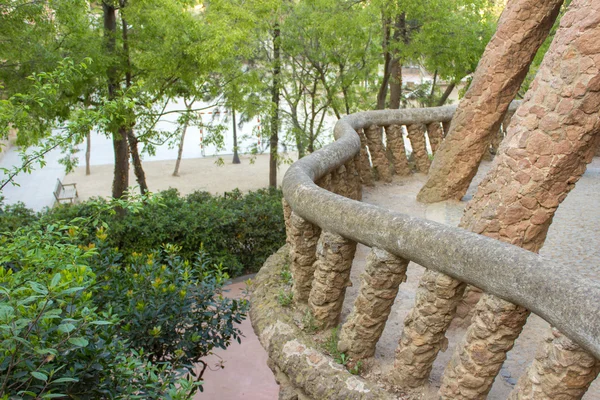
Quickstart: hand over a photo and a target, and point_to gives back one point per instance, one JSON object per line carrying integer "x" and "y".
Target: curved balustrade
{"x": 323, "y": 190}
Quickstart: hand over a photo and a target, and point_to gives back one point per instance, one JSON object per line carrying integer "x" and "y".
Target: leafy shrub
{"x": 240, "y": 231}
{"x": 13, "y": 216}
{"x": 87, "y": 321}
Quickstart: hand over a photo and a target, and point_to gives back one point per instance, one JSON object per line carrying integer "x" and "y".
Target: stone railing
{"x": 324, "y": 222}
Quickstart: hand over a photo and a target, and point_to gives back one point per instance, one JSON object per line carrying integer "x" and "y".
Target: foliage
{"x": 88, "y": 321}
{"x": 240, "y": 231}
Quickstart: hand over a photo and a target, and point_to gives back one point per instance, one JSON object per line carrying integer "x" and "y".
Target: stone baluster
{"x": 287, "y": 213}
{"x": 354, "y": 178}
{"x": 446, "y": 127}
{"x": 395, "y": 144}
{"x": 331, "y": 278}
{"x": 332, "y": 266}
{"x": 425, "y": 326}
{"x": 436, "y": 135}
{"x": 378, "y": 289}
{"x": 416, "y": 134}
{"x": 377, "y": 150}
{"x": 364, "y": 164}
{"x": 303, "y": 237}
{"x": 561, "y": 370}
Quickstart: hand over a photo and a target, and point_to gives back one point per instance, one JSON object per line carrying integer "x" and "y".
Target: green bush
{"x": 240, "y": 231}
{"x": 87, "y": 321}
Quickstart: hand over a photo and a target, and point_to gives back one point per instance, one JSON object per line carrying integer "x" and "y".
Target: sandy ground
{"x": 194, "y": 174}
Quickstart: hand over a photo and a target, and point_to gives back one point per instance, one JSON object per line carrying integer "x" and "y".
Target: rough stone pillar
{"x": 425, "y": 327}
{"x": 364, "y": 165}
{"x": 378, "y": 289}
{"x": 416, "y": 134}
{"x": 550, "y": 141}
{"x": 377, "y": 150}
{"x": 522, "y": 28}
{"x": 492, "y": 333}
{"x": 331, "y": 277}
{"x": 340, "y": 183}
{"x": 395, "y": 143}
{"x": 354, "y": 179}
{"x": 436, "y": 135}
{"x": 561, "y": 370}
{"x": 303, "y": 237}
{"x": 287, "y": 213}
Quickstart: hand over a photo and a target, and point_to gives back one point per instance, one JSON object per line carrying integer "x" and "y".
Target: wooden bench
{"x": 65, "y": 191}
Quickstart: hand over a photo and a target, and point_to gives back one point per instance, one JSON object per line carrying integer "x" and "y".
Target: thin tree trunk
{"x": 274, "y": 140}
{"x": 479, "y": 115}
{"x": 88, "y": 150}
{"x": 400, "y": 33}
{"x": 236, "y": 157}
{"x": 131, "y": 138}
{"x": 119, "y": 135}
{"x": 382, "y": 94}
{"x": 446, "y": 94}
{"x": 432, "y": 92}
{"x": 182, "y": 139}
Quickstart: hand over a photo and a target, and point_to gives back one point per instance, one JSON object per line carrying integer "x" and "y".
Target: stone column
{"x": 354, "y": 178}
{"x": 522, "y": 28}
{"x": 416, "y": 134}
{"x": 287, "y": 214}
{"x": 561, "y": 370}
{"x": 364, "y": 165}
{"x": 550, "y": 141}
{"x": 425, "y": 327}
{"x": 377, "y": 151}
{"x": 446, "y": 127}
{"x": 436, "y": 135}
{"x": 331, "y": 277}
{"x": 378, "y": 289}
{"x": 303, "y": 237}
{"x": 395, "y": 144}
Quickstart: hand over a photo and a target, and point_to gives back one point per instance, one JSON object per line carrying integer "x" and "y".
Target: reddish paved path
{"x": 246, "y": 375}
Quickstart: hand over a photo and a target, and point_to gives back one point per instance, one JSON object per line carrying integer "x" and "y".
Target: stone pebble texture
{"x": 303, "y": 237}
{"x": 395, "y": 144}
{"x": 364, "y": 164}
{"x": 378, "y": 154}
{"x": 522, "y": 28}
{"x": 331, "y": 278}
{"x": 416, "y": 134}
{"x": 383, "y": 275}
{"x": 436, "y": 135}
{"x": 553, "y": 136}
{"x": 561, "y": 370}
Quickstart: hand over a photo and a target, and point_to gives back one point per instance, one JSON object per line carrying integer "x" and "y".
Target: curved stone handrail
{"x": 562, "y": 297}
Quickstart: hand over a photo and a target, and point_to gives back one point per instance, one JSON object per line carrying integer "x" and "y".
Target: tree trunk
{"x": 131, "y": 138}
{"x": 551, "y": 139}
{"x": 88, "y": 150}
{"x": 382, "y": 93}
{"x": 446, "y": 94}
{"x": 432, "y": 91}
{"x": 274, "y": 140}
{"x": 119, "y": 135}
{"x": 497, "y": 79}
{"x": 236, "y": 157}
{"x": 396, "y": 63}
{"x": 180, "y": 149}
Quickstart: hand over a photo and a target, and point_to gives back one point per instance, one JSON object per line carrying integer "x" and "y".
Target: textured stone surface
{"x": 364, "y": 163}
{"x": 354, "y": 179}
{"x": 378, "y": 289}
{"x": 395, "y": 144}
{"x": 425, "y": 327}
{"x": 377, "y": 151}
{"x": 331, "y": 277}
{"x": 416, "y": 134}
{"x": 436, "y": 135}
{"x": 303, "y": 237}
{"x": 522, "y": 28}
{"x": 303, "y": 370}
{"x": 561, "y": 371}
{"x": 493, "y": 330}
{"x": 551, "y": 139}
{"x": 287, "y": 214}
